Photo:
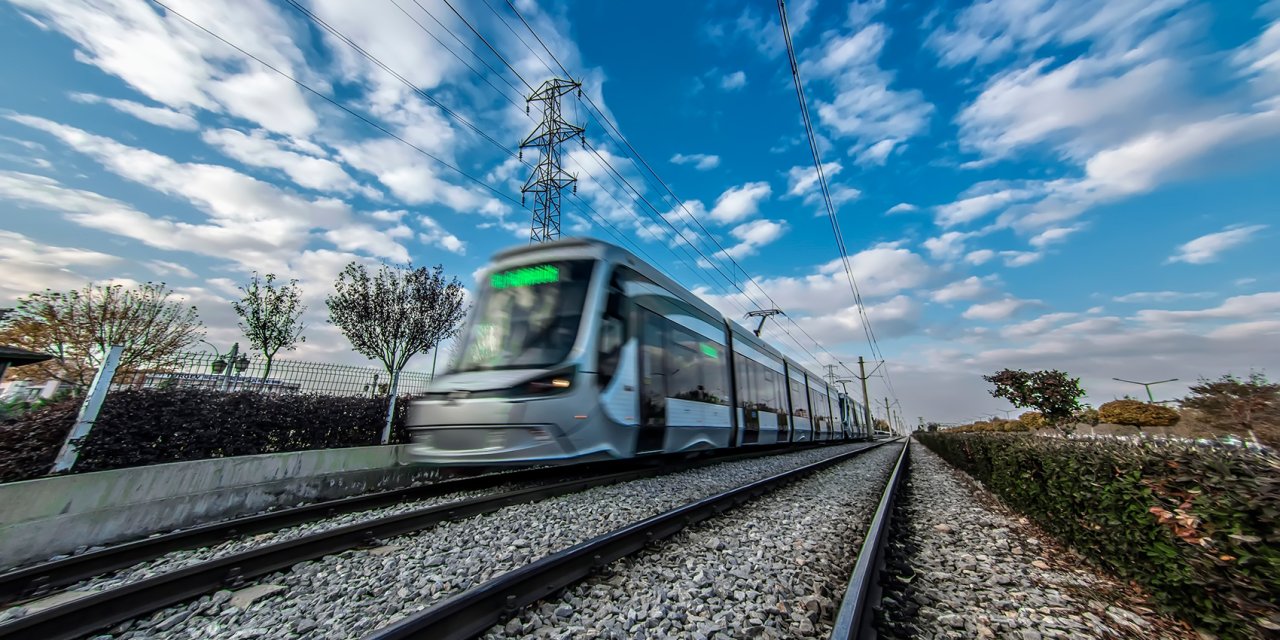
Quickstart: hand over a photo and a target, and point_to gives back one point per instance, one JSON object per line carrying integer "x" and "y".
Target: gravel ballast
{"x": 349, "y": 594}
{"x": 967, "y": 567}
{"x": 775, "y": 567}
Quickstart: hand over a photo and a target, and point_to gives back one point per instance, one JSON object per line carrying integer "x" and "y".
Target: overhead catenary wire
{"x": 872, "y": 342}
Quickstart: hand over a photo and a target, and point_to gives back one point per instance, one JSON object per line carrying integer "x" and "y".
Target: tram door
{"x": 653, "y": 383}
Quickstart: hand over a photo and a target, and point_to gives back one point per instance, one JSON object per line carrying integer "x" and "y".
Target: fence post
{"x": 391, "y": 407}
{"x": 89, "y": 410}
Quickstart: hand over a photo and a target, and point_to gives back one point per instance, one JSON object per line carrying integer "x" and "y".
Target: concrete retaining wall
{"x": 50, "y": 516}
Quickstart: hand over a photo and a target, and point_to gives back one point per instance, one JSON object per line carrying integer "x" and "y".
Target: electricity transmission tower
{"x": 549, "y": 177}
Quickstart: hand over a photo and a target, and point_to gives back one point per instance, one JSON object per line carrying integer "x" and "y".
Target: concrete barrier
{"x": 50, "y": 516}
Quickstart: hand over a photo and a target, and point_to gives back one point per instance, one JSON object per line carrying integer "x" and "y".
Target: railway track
{"x": 102, "y": 610}
{"x": 472, "y": 612}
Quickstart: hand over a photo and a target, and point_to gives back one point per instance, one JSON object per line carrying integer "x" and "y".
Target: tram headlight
{"x": 552, "y": 383}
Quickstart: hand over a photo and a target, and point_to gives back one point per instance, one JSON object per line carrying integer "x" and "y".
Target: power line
{"x": 616, "y": 135}
{"x": 872, "y": 342}
{"x": 339, "y": 105}
{"x": 486, "y": 43}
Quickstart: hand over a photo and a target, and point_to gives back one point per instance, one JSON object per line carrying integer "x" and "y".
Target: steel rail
{"x": 91, "y": 613}
{"x": 42, "y": 579}
{"x": 468, "y": 614}
{"x": 856, "y": 618}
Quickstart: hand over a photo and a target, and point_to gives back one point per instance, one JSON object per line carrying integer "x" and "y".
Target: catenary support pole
{"x": 89, "y": 410}
{"x": 866, "y": 400}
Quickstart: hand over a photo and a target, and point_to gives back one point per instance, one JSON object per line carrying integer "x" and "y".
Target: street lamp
{"x": 1147, "y": 386}
{"x": 234, "y": 361}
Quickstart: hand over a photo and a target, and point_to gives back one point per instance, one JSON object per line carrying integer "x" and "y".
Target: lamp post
{"x": 1147, "y": 386}
{"x": 234, "y": 361}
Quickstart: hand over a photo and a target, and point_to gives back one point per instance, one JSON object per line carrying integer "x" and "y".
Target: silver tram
{"x": 578, "y": 350}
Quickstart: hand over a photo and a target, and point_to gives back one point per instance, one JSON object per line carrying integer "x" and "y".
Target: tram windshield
{"x": 527, "y": 317}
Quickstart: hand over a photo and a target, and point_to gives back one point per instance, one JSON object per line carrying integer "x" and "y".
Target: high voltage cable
{"x": 872, "y": 342}
{"x": 465, "y": 46}
{"x": 337, "y": 104}
{"x": 723, "y": 253}
{"x": 455, "y": 54}
{"x": 486, "y": 43}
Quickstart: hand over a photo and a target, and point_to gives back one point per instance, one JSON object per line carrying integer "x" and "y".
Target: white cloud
{"x": 864, "y": 109}
{"x": 738, "y": 203}
{"x": 1020, "y": 258}
{"x": 1257, "y": 305}
{"x": 987, "y": 30}
{"x": 903, "y": 207}
{"x": 754, "y": 235}
{"x": 948, "y": 246}
{"x": 980, "y": 200}
{"x": 802, "y": 181}
{"x": 700, "y": 161}
{"x": 1160, "y": 296}
{"x": 159, "y": 116}
{"x": 175, "y": 64}
{"x": 1051, "y": 236}
{"x": 999, "y": 309}
{"x": 259, "y": 150}
{"x": 434, "y": 233}
{"x": 1206, "y": 248}
{"x": 980, "y": 256}
{"x": 32, "y": 266}
{"x": 967, "y": 289}
{"x": 733, "y": 81}
{"x": 165, "y": 268}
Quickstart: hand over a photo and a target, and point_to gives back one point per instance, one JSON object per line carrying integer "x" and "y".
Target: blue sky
{"x": 1085, "y": 184}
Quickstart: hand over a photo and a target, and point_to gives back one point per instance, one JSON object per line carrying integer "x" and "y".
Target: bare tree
{"x": 1235, "y": 405}
{"x": 394, "y": 314}
{"x": 271, "y": 316}
{"x": 77, "y": 328}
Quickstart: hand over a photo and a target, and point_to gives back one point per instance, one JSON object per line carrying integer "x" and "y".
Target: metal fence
{"x": 248, "y": 372}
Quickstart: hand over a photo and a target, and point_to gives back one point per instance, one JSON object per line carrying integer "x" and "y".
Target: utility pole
{"x": 763, "y": 314}
{"x": 549, "y": 177}
{"x": 866, "y": 399}
{"x": 888, "y": 415}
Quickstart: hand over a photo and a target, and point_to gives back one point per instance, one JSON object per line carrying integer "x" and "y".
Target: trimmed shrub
{"x": 1032, "y": 420}
{"x": 1137, "y": 414}
{"x": 153, "y": 426}
{"x": 1200, "y": 529}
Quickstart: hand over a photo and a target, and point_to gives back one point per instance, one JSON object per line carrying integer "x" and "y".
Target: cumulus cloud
{"x": 1208, "y": 247}
{"x": 700, "y": 161}
{"x": 999, "y": 309}
{"x": 967, "y": 289}
{"x": 257, "y": 149}
{"x": 738, "y": 203}
{"x": 1160, "y": 296}
{"x": 159, "y": 116}
{"x": 733, "y": 81}
{"x": 31, "y": 266}
{"x": 903, "y": 207}
{"x": 864, "y": 109}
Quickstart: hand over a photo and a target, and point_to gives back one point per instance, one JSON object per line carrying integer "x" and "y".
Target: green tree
{"x": 1236, "y": 405}
{"x": 394, "y": 314}
{"x": 1053, "y": 393}
{"x": 78, "y": 327}
{"x": 271, "y": 316}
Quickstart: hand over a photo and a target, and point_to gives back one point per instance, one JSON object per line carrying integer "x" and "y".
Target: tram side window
{"x": 613, "y": 333}
{"x": 766, "y": 390}
{"x": 653, "y": 409}
{"x": 800, "y": 400}
{"x": 695, "y": 370}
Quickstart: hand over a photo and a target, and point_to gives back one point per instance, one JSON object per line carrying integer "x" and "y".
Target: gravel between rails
{"x": 966, "y": 567}
{"x": 775, "y": 567}
{"x": 347, "y": 595}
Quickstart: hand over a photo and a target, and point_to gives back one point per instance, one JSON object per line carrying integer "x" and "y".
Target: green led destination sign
{"x": 525, "y": 277}
{"x": 709, "y": 350}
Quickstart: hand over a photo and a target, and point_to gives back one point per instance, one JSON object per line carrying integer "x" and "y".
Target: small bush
{"x": 1032, "y": 420}
{"x": 1200, "y": 529}
{"x": 1137, "y": 414}
{"x": 29, "y": 443}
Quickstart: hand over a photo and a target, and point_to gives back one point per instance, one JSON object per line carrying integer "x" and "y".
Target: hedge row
{"x": 151, "y": 426}
{"x": 1199, "y": 529}
{"x": 1138, "y": 414}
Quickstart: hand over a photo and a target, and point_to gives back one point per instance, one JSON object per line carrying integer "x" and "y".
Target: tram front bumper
{"x": 485, "y": 444}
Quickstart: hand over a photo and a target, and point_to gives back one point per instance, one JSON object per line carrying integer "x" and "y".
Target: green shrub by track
{"x": 1199, "y": 528}
{"x": 151, "y": 426}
